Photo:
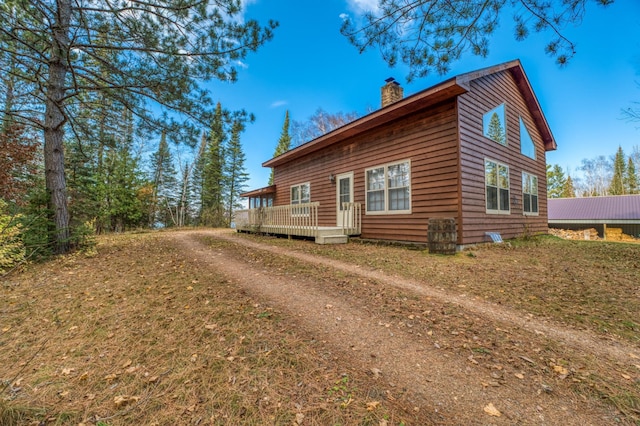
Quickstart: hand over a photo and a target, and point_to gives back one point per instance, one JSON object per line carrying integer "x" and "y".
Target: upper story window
{"x": 301, "y": 194}
{"x": 527, "y": 147}
{"x": 494, "y": 125}
{"x": 529, "y": 194}
{"x": 496, "y": 177}
{"x": 389, "y": 188}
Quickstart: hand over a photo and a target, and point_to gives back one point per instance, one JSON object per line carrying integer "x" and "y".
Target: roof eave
{"x": 419, "y": 101}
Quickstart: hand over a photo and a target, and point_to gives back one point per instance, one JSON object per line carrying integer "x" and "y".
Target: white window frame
{"x": 386, "y": 189}
{"x": 301, "y": 211}
{"x": 527, "y": 179}
{"x": 498, "y": 188}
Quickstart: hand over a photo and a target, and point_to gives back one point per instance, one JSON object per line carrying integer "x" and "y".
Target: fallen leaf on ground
{"x": 372, "y": 405}
{"x": 491, "y": 410}
{"x": 560, "y": 370}
{"x": 122, "y": 400}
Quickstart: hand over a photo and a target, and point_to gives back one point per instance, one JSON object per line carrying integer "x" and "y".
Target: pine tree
{"x": 631, "y": 178}
{"x": 556, "y": 181}
{"x": 164, "y": 184}
{"x": 495, "y": 131}
{"x": 213, "y": 173}
{"x": 284, "y": 143}
{"x": 197, "y": 178}
{"x": 235, "y": 172}
{"x": 130, "y": 52}
{"x": 568, "y": 191}
{"x": 617, "y": 186}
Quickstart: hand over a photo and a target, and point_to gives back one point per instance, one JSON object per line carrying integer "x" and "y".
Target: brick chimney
{"x": 391, "y": 92}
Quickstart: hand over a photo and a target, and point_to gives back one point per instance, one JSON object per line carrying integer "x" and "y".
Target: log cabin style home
{"x": 469, "y": 152}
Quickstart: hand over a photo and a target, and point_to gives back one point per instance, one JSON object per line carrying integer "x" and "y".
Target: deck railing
{"x": 297, "y": 219}
{"x": 351, "y": 218}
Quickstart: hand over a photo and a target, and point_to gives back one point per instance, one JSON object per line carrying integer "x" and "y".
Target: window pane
{"x": 526, "y": 143}
{"x": 398, "y": 175}
{"x": 345, "y": 192}
{"x": 493, "y": 123}
{"x": 305, "y": 195}
{"x": 526, "y": 198}
{"x": 504, "y": 199}
{"x": 534, "y": 185}
{"x": 534, "y": 204}
{"x": 295, "y": 195}
{"x": 491, "y": 173}
{"x": 399, "y": 199}
{"x": 492, "y": 198}
{"x": 375, "y": 201}
{"x": 375, "y": 179}
{"x": 504, "y": 177}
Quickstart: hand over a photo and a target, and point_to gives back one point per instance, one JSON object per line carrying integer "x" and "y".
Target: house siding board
{"x": 427, "y": 138}
{"x": 485, "y": 94}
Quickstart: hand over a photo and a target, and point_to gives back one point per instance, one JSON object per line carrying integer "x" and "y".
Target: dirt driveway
{"x": 457, "y": 358}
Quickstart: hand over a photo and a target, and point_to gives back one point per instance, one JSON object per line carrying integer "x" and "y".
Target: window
{"x": 496, "y": 178}
{"x": 529, "y": 194}
{"x": 527, "y": 147}
{"x": 301, "y": 194}
{"x": 389, "y": 188}
{"x": 493, "y": 124}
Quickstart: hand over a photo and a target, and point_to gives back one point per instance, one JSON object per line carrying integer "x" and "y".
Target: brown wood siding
{"x": 486, "y": 93}
{"x": 428, "y": 139}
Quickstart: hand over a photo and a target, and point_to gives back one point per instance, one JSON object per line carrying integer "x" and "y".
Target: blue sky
{"x": 310, "y": 65}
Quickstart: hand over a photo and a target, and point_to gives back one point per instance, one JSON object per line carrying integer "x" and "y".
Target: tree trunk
{"x": 54, "y": 120}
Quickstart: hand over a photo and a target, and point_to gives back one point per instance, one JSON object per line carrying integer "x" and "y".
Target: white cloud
{"x": 362, "y": 6}
{"x": 279, "y": 103}
{"x": 241, "y": 64}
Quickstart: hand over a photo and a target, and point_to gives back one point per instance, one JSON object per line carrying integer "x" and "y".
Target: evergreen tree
{"x": 197, "y": 178}
{"x": 164, "y": 184}
{"x": 284, "y": 143}
{"x": 568, "y": 191}
{"x": 235, "y": 173}
{"x": 617, "y": 186}
{"x": 428, "y": 35}
{"x": 556, "y": 181}
{"x": 213, "y": 169}
{"x": 631, "y": 180}
{"x": 495, "y": 131}
{"x": 131, "y": 52}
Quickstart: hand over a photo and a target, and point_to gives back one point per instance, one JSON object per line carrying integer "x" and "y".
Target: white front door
{"x": 344, "y": 194}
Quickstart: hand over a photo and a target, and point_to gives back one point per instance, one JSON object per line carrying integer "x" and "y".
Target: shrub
{"x": 12, "y": 249}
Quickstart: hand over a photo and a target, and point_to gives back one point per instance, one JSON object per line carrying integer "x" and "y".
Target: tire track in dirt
{"x": 578, "y": 339}
{"x": 439, "y": 382}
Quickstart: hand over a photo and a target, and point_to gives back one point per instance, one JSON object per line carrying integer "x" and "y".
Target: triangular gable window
{"x": 527, "y": 147}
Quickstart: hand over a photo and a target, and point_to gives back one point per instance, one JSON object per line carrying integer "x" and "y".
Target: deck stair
{"x": 331, "y": 236}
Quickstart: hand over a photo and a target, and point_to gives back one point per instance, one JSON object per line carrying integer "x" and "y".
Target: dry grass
{"x": 137, "y": 334}
{"x": 583, "y": 284}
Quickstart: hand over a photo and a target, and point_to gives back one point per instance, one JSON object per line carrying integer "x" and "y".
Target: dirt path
{"x": 452, "y": 386}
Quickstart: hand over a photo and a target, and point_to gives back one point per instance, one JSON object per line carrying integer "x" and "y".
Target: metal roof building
{"x": 616, "y": 211}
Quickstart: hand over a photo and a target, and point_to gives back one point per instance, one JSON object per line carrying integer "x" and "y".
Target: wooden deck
{"x": 299, "y": 220}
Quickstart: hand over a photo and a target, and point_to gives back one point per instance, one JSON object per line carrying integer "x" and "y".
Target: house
{"x": 470, "y": 150}
{"x": 601, "y": 213}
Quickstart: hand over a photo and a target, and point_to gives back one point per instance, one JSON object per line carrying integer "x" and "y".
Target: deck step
{"x": 332, "y": 239}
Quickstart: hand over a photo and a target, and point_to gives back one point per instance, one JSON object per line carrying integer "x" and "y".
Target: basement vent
{"x": 494, "y": 236}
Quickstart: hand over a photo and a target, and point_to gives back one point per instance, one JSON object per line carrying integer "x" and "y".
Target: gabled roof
{"x": 594, "y": 209}
{"x": 443, "y": 91}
